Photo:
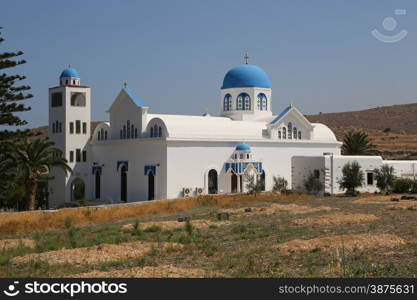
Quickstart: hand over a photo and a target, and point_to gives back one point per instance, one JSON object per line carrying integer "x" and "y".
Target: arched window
{"x": 299, "y": 135}
{"x": 243, "y": 102}
{"x": 227, "y": 102}
{"x": 128, "y": 129}
{"x": 105, "y": 135}
{"x": 56, "y": 126}
{"x": 99, "y": 136}
{"x": 151, "y": 131}
{"x": 53, "y": 127}
{"x": 155, "y": 130}
{"x": 131, "y": 131}
{"x": 212, "y": 181}
{"x": 60, "y": 127}
{"x": 239, "y": 103}
{"x": 279, "y": 134}
{"x": 262, "y": 101}
{"x": 295, "y": 133}
{"x": 241, "y": 155}
{"x": 284, "y": 133}
{"x": 289, "y": 130}
{"x": 102, "y": 133}
{"x": 136, "y": 133}
{"x": 160, "y": 131}
{"x": 124, "y": 131}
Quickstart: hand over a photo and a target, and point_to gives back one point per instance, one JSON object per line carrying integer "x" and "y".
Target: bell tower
{"x": 69, "y": 128}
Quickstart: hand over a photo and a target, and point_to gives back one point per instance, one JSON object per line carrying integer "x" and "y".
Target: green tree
{"x": 254, "y": 187}
{"x": 357, "y": 143}
{"x": 11, "y": 95}
{"x": 312, "y": 184}
{"x": 352, "y": 178}
{"x": 384, "y": 177}
{"x": 402, "y": 185}
{"x": 34, "y": 161}
{"x": 280, "y": 184}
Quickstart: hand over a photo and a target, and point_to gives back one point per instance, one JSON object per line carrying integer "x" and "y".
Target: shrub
{"x": 312, "y": 184}
{"x": 352, "y": 178}
{"x": 252, "y": 186}
{"x": 136, "y": 230}
{"x": 280, "y": 184}
{"x": 68, "y": 222}
{"x": 153, "y": 228}
{"x": 413, "y": 187}
{"x": 384, "y": 177}
{"x": 189, "y": 228}
{"x": 402, "y": 185}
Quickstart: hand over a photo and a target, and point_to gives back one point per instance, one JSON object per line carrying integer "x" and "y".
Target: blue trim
{"x": 132, "y": 95}
{"x": 240, "y": 167}
{"x": 96, "y": 169}
{"x": 122, "y": 162}
{"x": 151, "y": 168}
{"x": 69, "y": 73}
{"x": 242, "y": 147}
{"x": 282, "y": 114}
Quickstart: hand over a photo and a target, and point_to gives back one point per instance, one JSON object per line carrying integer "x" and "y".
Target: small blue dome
{"x": 69, "y": 72}
{"x": 242, "y": 147}
{"x": 246, "y": 76}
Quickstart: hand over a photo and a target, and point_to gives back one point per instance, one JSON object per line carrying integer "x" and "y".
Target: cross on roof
{"x": 246, "y": 57}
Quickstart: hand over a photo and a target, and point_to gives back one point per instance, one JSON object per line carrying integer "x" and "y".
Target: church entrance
{"x": 151, "y": 186}
{"x": 263, "y": 180}
{"x": 77, "y": 190}
{"x": 98, "y": 185}
{"x": 212, "y": 181}
{"x": 234, "y": 183}
{"x": 123, "y": 184}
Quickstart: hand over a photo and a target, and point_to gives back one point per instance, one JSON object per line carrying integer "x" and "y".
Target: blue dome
{"x": 242, "y": 147}
{"x": 69, "y": 72}
{"x": 246, "y": 76}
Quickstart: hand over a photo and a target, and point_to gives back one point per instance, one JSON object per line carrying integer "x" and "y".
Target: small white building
{"x": 138, "y": 155}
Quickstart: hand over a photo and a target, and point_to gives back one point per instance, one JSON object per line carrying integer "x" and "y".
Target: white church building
{"x": 139, "y": 155}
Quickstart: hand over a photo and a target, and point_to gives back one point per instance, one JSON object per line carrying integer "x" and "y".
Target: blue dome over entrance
{"x": 242, "y": 147}
{"x": 246, "y": 76}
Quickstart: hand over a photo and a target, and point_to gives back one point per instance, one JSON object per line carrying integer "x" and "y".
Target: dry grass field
{"x": 279, "y": 236}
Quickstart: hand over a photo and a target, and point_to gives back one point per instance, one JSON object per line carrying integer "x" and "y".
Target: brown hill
{"x": 398, "y": 118}
{"x": 393, "y": 129}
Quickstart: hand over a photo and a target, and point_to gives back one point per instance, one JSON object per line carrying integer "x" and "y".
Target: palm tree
{"x": 34, "y": 160}
{"x": 357, "y": 143}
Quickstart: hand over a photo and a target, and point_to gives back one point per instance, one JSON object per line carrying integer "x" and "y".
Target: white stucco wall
{"x": 138, "y": 152}
{"x": 190, "y": 161}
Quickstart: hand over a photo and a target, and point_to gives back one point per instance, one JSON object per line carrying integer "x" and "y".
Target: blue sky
{"x": 174, "y": 54}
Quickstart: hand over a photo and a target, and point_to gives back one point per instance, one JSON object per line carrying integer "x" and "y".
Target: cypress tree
{"x": 11, "y": 93}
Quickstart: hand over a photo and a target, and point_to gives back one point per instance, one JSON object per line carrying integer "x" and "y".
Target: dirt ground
{"x": 291, "y": 236}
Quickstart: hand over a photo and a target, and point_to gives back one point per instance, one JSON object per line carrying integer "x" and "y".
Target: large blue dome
{"x": 69, "y": 72}
{"x": 246, "y": 76}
